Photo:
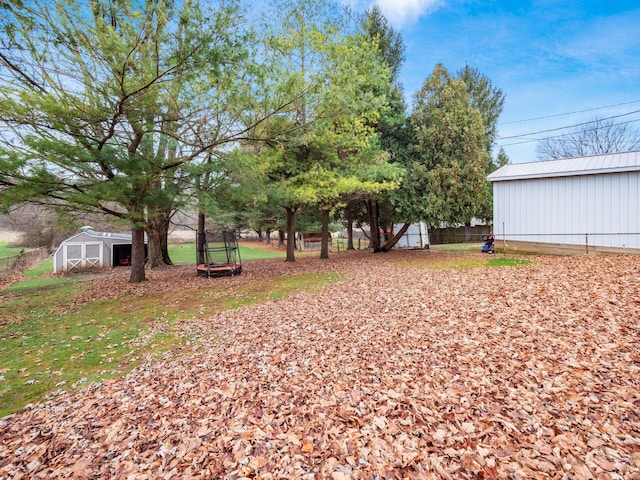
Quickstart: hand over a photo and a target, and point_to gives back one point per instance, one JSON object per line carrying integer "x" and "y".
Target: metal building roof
{"x": 609, "y": 163}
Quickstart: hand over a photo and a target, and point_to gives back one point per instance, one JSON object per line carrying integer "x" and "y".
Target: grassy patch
{"x": 458, "y": 247}
{"x": 35, "y": 279}
{"x": 458, "y": 262}
{"x": 42, "y": 268}
{"x": 202, "y": 303}
{"x": 182, "y": 253}
{"x": 278, "y": 287}
{"x": 7, "y": 251}
{"x": 49, "y": 342}
{"x": 44, "y": 346}
{"x": 507, "y": 262}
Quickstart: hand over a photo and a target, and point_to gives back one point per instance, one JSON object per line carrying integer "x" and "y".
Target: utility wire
{"x": 596, "y": 127}
{"x": 558, "y": 136}
{"x": 570, "y": 113}
{"x": 568, "y": 126}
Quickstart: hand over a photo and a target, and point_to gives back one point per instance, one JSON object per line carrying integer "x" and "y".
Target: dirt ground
{"x": 398, "y": 371}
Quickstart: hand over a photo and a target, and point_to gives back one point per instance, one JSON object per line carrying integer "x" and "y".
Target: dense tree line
{"x": 135, "y": 110}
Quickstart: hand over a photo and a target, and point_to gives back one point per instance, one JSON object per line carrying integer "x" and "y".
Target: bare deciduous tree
{"x": 596, "y": 138}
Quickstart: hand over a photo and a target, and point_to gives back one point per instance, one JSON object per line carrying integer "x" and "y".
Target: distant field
{"x": 7, "y": 251}
{"x": 9, "y": 236}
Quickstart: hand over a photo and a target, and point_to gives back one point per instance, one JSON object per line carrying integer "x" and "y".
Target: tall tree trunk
{"x": 137, "y": 255}
{"x": 157, "y": 236}
{"x": 374, "y": 237}
{"x": 268, "y": 235}
{"x": 324, "y": 244}
{"x": 165, "y": 246}
{"x": 350, "y": 233}
{"x": 389, "y": 244}
{"x": 200, "y": 239}
{"x": 369, "y": 206}
{"x": 291, "y": 233}
{"x": 154, "y": 248}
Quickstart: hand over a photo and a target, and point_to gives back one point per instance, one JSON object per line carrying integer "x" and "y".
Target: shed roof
{"x": 92, "y": 233}
{"x": 597, "y": 164}
{"x": 89, "y": 232}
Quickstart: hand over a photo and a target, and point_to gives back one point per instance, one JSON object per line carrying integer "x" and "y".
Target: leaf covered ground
{"x": 397, "y": 371}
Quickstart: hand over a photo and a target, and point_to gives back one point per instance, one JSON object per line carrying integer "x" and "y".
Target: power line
{"x": 570, "y": 113}
{"x": 568, "y": 126}
{"x": 558, "y": 136}
{"x": 596, "y": 127}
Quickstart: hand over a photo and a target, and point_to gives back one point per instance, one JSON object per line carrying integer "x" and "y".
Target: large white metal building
{"x": 588, "y": 203}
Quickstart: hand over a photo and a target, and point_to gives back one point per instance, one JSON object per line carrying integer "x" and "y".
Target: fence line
{"x": 458, "y": 234}
{"x": 21, "y": 261}
{"x": 588, "y": 243}
{"x": 413, "y": 240}
{"x": 340, "y": 244}
{"x": 555, "y": 243}
{"x": 13, "y": 263}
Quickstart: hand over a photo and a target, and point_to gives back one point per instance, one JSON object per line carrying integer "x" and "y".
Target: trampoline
{"x": 220, "y": 253}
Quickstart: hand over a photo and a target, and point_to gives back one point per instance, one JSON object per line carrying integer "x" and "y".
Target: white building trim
{"x": 597, "y": 164}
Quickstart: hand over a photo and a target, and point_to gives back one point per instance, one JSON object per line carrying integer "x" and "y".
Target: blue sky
{"x": 552, "y": 59}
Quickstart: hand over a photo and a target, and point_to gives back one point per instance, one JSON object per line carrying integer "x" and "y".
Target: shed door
{"x": 82, "y": 256}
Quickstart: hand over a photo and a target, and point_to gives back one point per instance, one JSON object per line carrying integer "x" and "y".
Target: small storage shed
{"x": 416, "y": 236}
{"x": 585, "y": 204}
{"x": 91, "y": 250}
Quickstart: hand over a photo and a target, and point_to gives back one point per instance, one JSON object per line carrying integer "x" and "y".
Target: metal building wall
{"x": 565, "y": 209}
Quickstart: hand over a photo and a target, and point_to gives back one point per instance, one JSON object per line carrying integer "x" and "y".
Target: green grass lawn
{"x": 46, "y": 345}
{"x": 7, "y": 251}
{"x": 464, "y": 262}
{"x": 35, "y": 279}
{"x": 181, "y": 253}
{"x": 458, "y": 247}
{"x": 50, "y": 342}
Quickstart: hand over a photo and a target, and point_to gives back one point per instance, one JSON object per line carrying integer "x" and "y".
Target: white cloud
{"x": 406, "y": 12}
{"x": 400, "y": 13}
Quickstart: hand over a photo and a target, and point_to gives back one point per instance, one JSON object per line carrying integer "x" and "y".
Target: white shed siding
{"x": 563, "y": 209}
{"x": 88, "y": 249}
{"x": 416, "y": 236}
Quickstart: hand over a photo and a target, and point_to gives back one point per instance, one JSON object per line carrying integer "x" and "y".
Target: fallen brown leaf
{"x": 398, "y": 371}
